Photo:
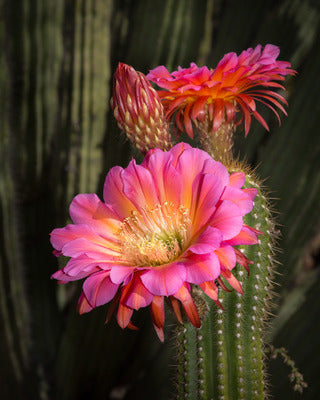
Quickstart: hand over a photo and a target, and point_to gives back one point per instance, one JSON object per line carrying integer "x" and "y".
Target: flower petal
{"x": 177, "y": 151}
{"x": 124, "y": 315}
{"x": 207, "y": 241}
{"x": 157, "y": 311}
{"x": 90, "y": 210}
{"x": 202, "y": 267}
{"x": 210, "y": 289}
{"x": 233, "y": 281}
{"x": 187, "y": 302}
{"x": 159, "y": 332}
{"x": 83, "y": 304}
{"x": 83, "y": 246}
{"x": 99, "y": 289}
{"x": 242, "y": 199}
{"x": 227, "y": 257}
{"x": 206, "y": 192}
{"x": 195, "y": 158}
{"x": 61, "y": 236}
{"x": 113, "y": 193}
{"x": 138, "y": 186}
{"x": 166, "y": 179}
{"x": 76, "y": 269}
{"x": 165, "y": 280}
{"x": 228, "y": 219}
{"x": 84, "y": 264}
{"x": 176, "y": 308}
{"x": 121, "y": 273}
{"x": 237, "y": 179}
{"x": 245, "y": 236}
{"x": 138, "y": 296}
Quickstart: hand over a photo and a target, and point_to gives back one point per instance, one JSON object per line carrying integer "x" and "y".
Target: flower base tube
{"x": 218, "y": 144}
{"x": 224, "y": 359}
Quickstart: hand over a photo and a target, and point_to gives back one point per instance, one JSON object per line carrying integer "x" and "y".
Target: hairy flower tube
{"x": 234, "y": 86}
{"x": 138, "y": 110}
{"x": 164, "y": 226}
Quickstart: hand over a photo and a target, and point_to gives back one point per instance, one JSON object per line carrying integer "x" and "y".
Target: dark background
{"x": 58, "y": 138}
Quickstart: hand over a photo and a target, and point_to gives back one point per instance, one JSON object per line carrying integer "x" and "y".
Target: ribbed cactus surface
{"x": 224, "y": 359}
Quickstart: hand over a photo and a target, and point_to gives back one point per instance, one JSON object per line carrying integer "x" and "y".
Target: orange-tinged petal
{"x": 237, "y": 179}
{"x": 247, "y": 235}
{"x": 138, "y": 186}
{"x": 83, "y": 304}
{"x": 113, "y": 193}
{"x": 187, "y": 120}
{"x": 90, "y": 210}
{"x": 157, "y": 311}
{"x": 221, "y": 283}
{"x": 218, "y": 114}
{"x": 233, "y": 281}
{"x": 210, "y": 289}
{"x": 176, "y": 308}
{"x": 184, "y": 296}
{"x": 124, "y": 315}
{"x": 99, "y": 289}
{"x": 198, "y": 106}
{"x": 159, "y": 332}
{"x": 112, "y": 307}
{"x": 132, "y": 327}
{"x": 243, "y": 260}
{"x": 261, "y": 120}
{"x": 227, "y": 257}
{"x": 167, "y": 179}
{"x": 138, "y": 296}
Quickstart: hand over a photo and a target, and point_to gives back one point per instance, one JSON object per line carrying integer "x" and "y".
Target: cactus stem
{"x": 224, "y": 359}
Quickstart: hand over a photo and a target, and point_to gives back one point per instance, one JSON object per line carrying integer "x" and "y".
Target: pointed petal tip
{"x": 159, "y": 332}
{"x": 217, "y": 302}
{"x": 176, "y": 309}
{"x": 223, "y": 286}
{"x": 157, "y": 311}
{"x": 132, "y": 327}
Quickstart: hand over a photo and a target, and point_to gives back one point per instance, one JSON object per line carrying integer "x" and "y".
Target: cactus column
{"x": 224, "y": 359}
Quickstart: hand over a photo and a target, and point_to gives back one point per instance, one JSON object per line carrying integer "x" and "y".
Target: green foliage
{"x": 58, "y": 138}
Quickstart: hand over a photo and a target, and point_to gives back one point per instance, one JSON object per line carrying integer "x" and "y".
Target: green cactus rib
{"x": 91, "y": 75}
{"x": 188, "y": 363}
{"x": 224, "y": 359}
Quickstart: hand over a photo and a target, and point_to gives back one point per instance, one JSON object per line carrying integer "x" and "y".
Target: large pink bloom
{"x": 164, "y": 226}
{"x": 233, "y": 86}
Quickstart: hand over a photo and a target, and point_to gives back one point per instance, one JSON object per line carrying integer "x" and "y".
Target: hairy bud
{"x": 138, "y": 110}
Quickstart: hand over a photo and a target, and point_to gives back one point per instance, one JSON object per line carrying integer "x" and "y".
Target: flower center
{"x": 155, "y": 236}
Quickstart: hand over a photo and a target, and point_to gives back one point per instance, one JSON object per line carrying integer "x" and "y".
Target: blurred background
{"x": 58, "y": 138}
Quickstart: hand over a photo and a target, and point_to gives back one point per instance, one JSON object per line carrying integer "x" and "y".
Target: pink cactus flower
{"x": 219, "y": 94}
{"x": 164, "y": 226}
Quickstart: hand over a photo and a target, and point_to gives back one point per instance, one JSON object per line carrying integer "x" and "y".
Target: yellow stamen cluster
{"x": 155, "y": 236}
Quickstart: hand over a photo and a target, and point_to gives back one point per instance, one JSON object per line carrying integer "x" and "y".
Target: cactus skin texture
{"x": 224, "y": 359}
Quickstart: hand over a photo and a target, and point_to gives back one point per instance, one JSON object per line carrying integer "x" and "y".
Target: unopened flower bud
{"x": 138, "y": 110}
